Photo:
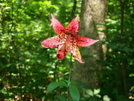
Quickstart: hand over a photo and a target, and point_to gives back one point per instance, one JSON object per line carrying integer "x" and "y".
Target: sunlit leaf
{"x": 96, "y": 91}
{"x": 89, "y": 92}
{"x": 106, "y": 98}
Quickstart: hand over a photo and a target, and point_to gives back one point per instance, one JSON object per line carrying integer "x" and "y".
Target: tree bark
{"x": 93, "y": 13}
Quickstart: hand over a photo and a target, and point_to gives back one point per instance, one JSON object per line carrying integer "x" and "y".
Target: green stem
{"x": 69, "y": 78}
{"x": 70, "y": 71}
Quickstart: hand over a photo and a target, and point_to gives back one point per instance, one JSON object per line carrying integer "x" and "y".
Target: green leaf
{"x": 106, "y": 98}
{"x": 61, "y": 97}
{"x": 54, "y": 85}
{"x": 74, "y": 93}
{"x": 97, "y": 95}
{"x": 96, "y": 91}
{"x": 89, "y": 92}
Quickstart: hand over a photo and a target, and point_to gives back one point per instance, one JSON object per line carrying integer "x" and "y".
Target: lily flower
{"x": 67, "y": 39}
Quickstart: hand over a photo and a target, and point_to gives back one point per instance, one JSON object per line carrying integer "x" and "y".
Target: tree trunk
{"x": 92, "y": 16}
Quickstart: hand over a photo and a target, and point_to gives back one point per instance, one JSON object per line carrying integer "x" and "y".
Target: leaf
{"x": 74, "y": 93}
{"x": 61, "y": 97}
{"x": 54, "y": 85}
{"x": 97, "y": 95}
{"x": 106, "y": 98}
{"x": 89, "y": 92}
{"x": 96, "y": 91}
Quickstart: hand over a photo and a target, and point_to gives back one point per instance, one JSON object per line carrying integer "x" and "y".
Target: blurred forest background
{"x": 26, "y": 68}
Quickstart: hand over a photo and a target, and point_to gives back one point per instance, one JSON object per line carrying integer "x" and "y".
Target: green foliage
{"x": 26, "y": 68}
{"x": 94, "y": 95}
{"x": 54, "y": 85}
{"x": 73, "y": 91}
{"x": 119, "y": 58}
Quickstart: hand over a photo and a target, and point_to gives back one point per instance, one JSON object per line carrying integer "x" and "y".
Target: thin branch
{"x": 73, "y": 8}
{"x": 122, "y": 64}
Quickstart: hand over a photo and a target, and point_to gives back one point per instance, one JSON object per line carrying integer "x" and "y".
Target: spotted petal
{"x": 57, "y": 26}
{"x": 62, "y": 52}
{"x": 76, "y": 53}
{"x": 51, "y": 42}
{"x": 73, "y": 25}
{"x": 82, "y": 41}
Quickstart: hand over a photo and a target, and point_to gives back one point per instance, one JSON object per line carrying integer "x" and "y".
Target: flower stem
{"x": 69, "y": 77}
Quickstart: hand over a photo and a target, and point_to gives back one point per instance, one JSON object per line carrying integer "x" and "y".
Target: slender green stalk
{"x": 69, "y": 77}
{"x": 70, "y": 71}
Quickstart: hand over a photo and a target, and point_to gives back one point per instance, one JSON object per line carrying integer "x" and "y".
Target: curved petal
{"x": 51, "y": 42}
{"x": 82, "y": 41}
{"x": 73, "y": 25}
{"x": 57, "y": 26}
{"x": 76, "y": 53}
{"x": 62, "y": 52}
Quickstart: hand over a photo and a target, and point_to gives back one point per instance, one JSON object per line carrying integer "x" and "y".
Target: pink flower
{"x": 67, "y": 39}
